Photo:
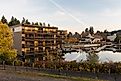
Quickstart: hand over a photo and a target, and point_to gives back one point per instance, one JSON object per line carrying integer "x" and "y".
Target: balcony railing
{"x": 31, "y": 45}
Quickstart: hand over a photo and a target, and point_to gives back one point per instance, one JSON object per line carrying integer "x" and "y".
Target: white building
{"x": 111, "y": 38}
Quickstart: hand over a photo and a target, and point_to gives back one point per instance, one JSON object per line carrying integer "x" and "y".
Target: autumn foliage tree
{"x": 71, "y": 40}
{"x": 7, "y": 53}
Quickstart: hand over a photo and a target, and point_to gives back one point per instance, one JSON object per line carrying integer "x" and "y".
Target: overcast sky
{"x": 73, "y": 15}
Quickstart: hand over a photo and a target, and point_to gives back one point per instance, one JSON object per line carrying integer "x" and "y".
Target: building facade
{"x": 36, "y": 43}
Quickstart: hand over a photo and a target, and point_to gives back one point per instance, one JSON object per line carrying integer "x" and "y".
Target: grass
{"x": 35, "y": 74}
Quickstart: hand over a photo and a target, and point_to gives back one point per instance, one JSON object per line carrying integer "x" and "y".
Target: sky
{"x": 71, "y": 15}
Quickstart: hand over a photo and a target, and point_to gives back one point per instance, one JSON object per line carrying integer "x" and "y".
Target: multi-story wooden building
{"x": 36, "y": 43}
{"x": 61, "y": 35}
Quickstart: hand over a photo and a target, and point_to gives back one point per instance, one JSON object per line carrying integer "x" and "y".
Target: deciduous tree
{"x": 7, "y": 53}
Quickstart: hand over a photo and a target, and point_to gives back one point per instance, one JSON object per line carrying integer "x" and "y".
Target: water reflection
{"x": 104, "y": 56}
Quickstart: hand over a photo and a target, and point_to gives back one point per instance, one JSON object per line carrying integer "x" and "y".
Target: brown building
{"x": 61, "y": 35}
{"x": 37, "y": 43}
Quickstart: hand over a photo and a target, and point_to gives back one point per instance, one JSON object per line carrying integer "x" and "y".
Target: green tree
{"x": 40, "y": 24}
{"x": 118, "y": 39}
{"x": 92, "y": 58}
{"x": 69, "y": 34}
{"x": 7, "y": 53}
{"x": 36, "y": 23}
{"x": 23, "y": 21}
{"x": 33, "y": 23}
{"x": 48, "y": 25}
{"x": 91, "y": 30}
{"x": 44, "y": 24}
{"x": 14, "y": 21}
{"x": 4, "y": 20}
{"x": 27, "y": 22}
{"x": 86, "y": 30}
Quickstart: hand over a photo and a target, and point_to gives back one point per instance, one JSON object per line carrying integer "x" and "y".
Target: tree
{"x": 40, "y": 24}
{"x": 92, "y": 58}
{"x": 7, "y": 53}
{"x": 23, "y": 21}
{"x": 105, "y": 31}
{"x": 118, "y": 39}
{"x": 71, "y": 40}
{"x": 77, "y": 35}
{"x": 36, "y": 23}
{"x": 44, "y": 24}
{"x": 70, "y": 34}
{"x": 98, "y": 32}
{"x": 27, "y": 22}
{"x": 33, "y": 23}
{"x": 4, "y": 20}
{"x": 91, "y": 30}
{"x": 14, "y": 21}
{"x": 48, "y": 25}
{"x": 86, "y": 30}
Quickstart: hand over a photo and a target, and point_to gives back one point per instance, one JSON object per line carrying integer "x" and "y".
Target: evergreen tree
{"x": 70, "y": 34}
{"x": 4, "y": 20}
{"x": 23, "y": 21}
{"x": 86, "y": 30}
{"x": 44, "y": 24}
{"x": 91, "y": 30}
{"x": 40, "y": 24}
{"x": 33, "y": 23}
{"x": 14, "y": 21}
{"x": 36, "y": 23}
{"x": 48, "y": 25}
{"x": 27, "y": 22}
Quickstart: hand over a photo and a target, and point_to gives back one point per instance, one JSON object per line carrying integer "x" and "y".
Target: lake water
{"x": 104, "y": 56}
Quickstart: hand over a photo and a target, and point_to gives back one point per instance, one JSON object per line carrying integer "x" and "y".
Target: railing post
{"x": 14, "y": 64}
{"x": 4, "y": 65}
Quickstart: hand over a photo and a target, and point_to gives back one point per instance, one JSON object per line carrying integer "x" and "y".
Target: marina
{"x": 104, "y": 56}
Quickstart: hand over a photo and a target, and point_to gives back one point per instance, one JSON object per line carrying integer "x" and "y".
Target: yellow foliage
{"x": 6, "y": 43}
{"x": 71, "y": 40}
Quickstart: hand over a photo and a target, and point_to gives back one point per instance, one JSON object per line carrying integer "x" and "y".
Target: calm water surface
{"x": 104, "y": 56}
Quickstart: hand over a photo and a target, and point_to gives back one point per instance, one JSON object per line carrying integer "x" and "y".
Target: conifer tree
{"x": 4, "y": 20}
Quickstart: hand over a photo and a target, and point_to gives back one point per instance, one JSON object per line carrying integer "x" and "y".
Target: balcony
{"x": 39, "y": 52}
{"x": 29, "y": 53}
{"x": 52, "y": 33}
{"x": 38, "y": 37}
{"x": 28, "y": 39}
{"x": 26, "y": 32}
{"x": 40, "y": 45}
{"x": 29, "y": 45}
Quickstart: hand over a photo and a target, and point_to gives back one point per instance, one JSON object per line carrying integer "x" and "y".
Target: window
{"x": 43, "y": 48}
{"x": 23, "y": 35}
{"x": 36, "y": 48}
{"x": 47, "y": 29}
{"x": 23, "y": 42}
{"x": 44, "y": 43}
{"x": 23, "y": 49}
{"x": 54, "y": 41}
{"x": 36, "y": 29}
{"x": 26, "y": 28}
{"x": 43, "y": 29}
{"x": 27, "y": 49}
{"x": 54, "y": 36}
{"x": 54, "y": 47}
{"x": 35, "y": 43}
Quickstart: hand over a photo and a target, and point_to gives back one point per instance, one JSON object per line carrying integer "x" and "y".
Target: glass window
{"x": 23, "y": 42}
